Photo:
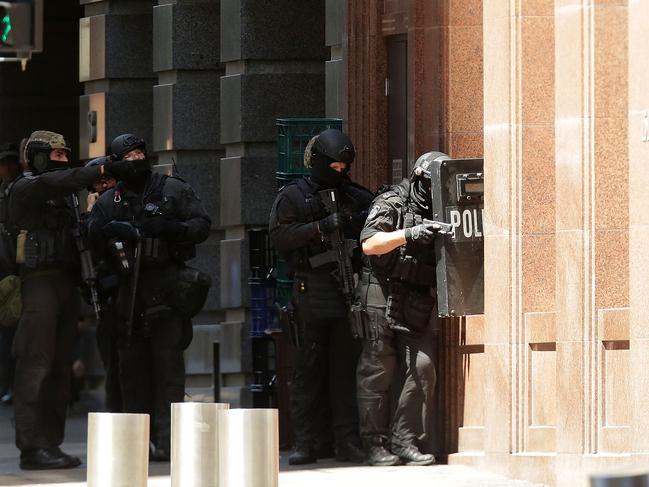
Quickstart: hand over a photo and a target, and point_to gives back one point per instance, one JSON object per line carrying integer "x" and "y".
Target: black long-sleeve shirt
{"x": 176, "y": 201}
{"x": 33, "y": 195}
{"x": 295, "y": 212}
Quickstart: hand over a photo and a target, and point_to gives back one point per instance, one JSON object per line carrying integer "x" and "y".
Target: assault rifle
{"x": 88, "y": 273}
{"x": 126, "y": 232}
{"x": 341, "y": 249}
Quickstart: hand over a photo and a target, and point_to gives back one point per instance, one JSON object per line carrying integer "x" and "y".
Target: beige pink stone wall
{"x": 552, "y": 382}
{"x": 366, "y": 103}
{"x": 638, "y": 147}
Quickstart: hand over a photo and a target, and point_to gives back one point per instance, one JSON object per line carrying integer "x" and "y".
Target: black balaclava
{"x": 136, "y": 175}
{"x": 329, "y": 146}
{"x": 323, "y": 174}
{"x": 420, "y": 195}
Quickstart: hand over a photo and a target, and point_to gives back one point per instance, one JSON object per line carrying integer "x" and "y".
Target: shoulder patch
{"x": 373, "y": 212}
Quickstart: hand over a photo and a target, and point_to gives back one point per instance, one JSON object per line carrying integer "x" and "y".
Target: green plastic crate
{"x": 282, "y": 269}
{"x": 284, "y": 291}
{"x": 293, "y": 134}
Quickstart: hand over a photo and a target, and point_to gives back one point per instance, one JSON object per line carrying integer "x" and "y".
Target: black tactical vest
{"x": 135, "y": 207}
{"x": 317, "y": 291}
{"x": 354, "y": 200}
{"x": 411, "y": 264}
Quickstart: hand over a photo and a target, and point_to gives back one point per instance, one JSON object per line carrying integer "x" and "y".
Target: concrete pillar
{"x": 274, "y": 55}
{"x": 115, "y": 69}
{"x": 186, "y": 104}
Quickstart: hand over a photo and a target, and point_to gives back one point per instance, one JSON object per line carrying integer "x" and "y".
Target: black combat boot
{"x": 350, "y": 450}
{"x": 323, "y": 450}
{"x": 47, "y": 459}
{"x": 377, "y": 454}
{"x": 303, "y": 455}
{"x": 410, "y": 454}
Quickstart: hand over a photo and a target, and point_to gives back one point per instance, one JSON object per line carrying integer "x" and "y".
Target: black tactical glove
{"x": 120, "y": 230}
{"x": 118, "y": 169}
{"x": 423, "y": 234}
{"x": 330, "y": 223}
{"x": 160, "y": 226}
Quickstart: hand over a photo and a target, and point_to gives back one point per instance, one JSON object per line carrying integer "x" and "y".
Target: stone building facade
{"x": 550, "y": 383}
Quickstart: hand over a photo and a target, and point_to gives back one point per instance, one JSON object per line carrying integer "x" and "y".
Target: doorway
{"x": 396, "y": 90}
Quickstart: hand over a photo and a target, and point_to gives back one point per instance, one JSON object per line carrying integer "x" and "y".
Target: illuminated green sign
{"x": 5, "y": 29}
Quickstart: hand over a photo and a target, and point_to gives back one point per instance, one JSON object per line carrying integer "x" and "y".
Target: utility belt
{"x": 43, "y": 249}
{"x": 387, "y": 304}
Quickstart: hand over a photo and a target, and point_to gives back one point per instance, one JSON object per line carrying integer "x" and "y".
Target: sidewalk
{"x": 320, "y": 475}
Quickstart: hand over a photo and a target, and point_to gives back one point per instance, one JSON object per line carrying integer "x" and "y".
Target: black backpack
{"x": 8, "y": 266}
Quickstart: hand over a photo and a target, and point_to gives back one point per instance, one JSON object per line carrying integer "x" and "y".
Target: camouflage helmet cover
{"x": 308, "y": 152}
{"x": 51, "y": 139}
{"x": 43, "y": 142}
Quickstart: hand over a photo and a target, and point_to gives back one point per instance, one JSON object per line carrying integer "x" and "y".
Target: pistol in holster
{"x": 289, "y": 323}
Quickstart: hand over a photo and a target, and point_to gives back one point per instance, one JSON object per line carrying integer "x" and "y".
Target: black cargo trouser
{"x": 152, "y": 374}
{"x": 107, "y": 346}
{"x": 7, "y": 360}
{"x": 44, "y": 350}
{"x": 385, "y": 362}
{"x": 324, "y": 370}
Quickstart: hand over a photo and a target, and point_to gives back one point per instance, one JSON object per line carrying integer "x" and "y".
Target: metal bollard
{"x": 118, "y": 450}
{"x": 621, "y": 478}
{"x": 216, "y": 370}
{"x": 195, "y": 444}
{"x": 249, "y": 448}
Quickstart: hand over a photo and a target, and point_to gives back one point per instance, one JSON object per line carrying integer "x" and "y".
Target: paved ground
{"x": 321, "y": 475}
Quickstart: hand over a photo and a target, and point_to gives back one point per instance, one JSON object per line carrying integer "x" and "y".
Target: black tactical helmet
{"x": 335, "y": 145}
{"x": 125, "y": 143}
{"x": 422, "y": 167}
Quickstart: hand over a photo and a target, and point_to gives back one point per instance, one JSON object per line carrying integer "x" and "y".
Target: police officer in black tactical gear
{"x": 105, "y": 331}
{"x": 327, "y": 354}
{"x": 42, "y": 219}
{"x": 10, "y": 169}
{"x": 162, "y": 216}
{"x": 399, "y": 295}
